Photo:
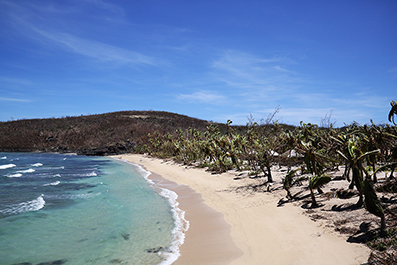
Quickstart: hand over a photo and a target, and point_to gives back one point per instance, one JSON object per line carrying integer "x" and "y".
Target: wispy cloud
{"x": 14, "y": 99}
{"x": 106, "y": 6}
{"x": 97, "y": 50}
{"x": 202, "y": 97}
{"x": 31, "y": 25}
{"x": 393, "y": 70}
{"x": 250, "y": 74}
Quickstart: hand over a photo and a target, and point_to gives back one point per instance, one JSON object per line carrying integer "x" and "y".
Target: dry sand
{"x": 229, "y": 227}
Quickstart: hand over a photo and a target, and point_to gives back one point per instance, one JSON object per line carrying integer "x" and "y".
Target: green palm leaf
{"x": 318, "y": 181}
{"x": 371, "y": 200}
{"x": 393, "y": 111}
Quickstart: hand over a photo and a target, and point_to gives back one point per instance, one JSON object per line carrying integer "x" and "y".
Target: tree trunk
{"x": 347, "y": 172}
{"x": 391, "y": 173}
{"x": 314, "y": 202}
{"x": 351, "y": 186}
{"x": 360, "y": 202}
{"x": 269, "y": 174}
{"x": 289, "y": 195}
{"x": 373, "y": 168}
{"x": 383, "y": 225}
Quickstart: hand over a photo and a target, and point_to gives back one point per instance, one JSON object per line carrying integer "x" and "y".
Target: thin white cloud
{"x": 253, "y": 76}
{"x": 14, "y": 99}
{"x": 393, "y": 70}
{"x": 106, "y": 6}
{"x": 202, "y": 97}
{"x": 14, "y": 81}
{"x": 97, "y": 50}
{"x": 30, "y": 24}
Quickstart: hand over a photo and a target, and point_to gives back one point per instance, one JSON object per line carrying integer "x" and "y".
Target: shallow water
{"x": 70, "y": 209}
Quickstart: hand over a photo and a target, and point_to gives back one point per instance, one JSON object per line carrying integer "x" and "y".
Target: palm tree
{"x": 393, "y": 111}
{"x": 311, "y": 144}
{"x": 373, "y": 205}
{"x": 355, "y": 155}
{"x": 315, "y": 182}
{"x": 290, "y": 180}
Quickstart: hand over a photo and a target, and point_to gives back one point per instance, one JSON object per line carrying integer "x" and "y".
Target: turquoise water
{"x": 68, "y": 209}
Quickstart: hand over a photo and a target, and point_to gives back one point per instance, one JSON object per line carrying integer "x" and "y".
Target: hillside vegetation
{"x": 368, "y": 155}
{"x": 103, "y": 134}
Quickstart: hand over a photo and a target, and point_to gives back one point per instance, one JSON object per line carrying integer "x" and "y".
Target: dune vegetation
{"x": 366, "y": 154}
{"x": 310, "y": 153}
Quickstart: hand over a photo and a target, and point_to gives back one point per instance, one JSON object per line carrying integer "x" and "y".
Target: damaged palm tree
{"x": 372, "y": 204}
{"x": 291, "y": 180}
{"x": 393, "y": 111}
{"x": 354, "y": 153}
{"x": 316, "y": 182}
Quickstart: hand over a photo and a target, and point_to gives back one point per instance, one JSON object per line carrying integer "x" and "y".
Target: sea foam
{"x": 28, "y": 206}
{"x": 17, "y": 175}
{"x": 7, "y": 166}
{"x": 52, "y": 183}
{"x": 37, "y": 165}
{"x": 172, "y": 253}
{"x": 30, "y": 170}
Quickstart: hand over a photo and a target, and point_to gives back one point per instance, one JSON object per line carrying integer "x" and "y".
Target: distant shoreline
{"x": 244, "y": 228}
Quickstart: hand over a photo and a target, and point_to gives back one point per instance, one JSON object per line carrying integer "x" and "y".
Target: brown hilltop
{"x": 101, "y": 134}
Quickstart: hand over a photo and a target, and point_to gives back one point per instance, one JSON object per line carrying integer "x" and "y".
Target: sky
{"x": 210, "y": 59}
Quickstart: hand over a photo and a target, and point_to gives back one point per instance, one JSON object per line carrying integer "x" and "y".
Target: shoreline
{"x": 245, "y": 227}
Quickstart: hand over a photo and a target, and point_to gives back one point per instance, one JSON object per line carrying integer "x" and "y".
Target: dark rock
{"x": 154, "y": 250}
{"x": 125, "y": 236}
{"x": 116, "y": 149}
{"x": 55, "y": 262}
{"x": 114, "y": 261}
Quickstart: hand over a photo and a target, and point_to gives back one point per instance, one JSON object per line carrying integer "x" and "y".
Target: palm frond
{"x": 393, "y": 111}
{"x": 377, "y": 151}
{"x": 318, "y": 181}
{"x": 385, "y": 167}
{"x": 371, "y": 200}
{"x": 342, "y": 155}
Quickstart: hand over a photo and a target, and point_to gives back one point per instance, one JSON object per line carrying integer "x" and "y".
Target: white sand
{"x": 256, "y": 231}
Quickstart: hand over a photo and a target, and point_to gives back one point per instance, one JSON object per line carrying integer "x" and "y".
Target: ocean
{"x": 69, "y": 209}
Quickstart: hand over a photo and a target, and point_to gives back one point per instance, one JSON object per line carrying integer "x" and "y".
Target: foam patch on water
{"x": 30, "y": 170}
{"x": 4, "y": 157}
{"x": 144, "y": 173}
{"x": 172, "y": 253}
{"x": 17, "y": 175}
{"x": 37, "y": 165}
{"x": 91, "y": 174}
{"x": 28, "y": 206}
{"x": 52, "y": 183}
{"x": 181, "y": 226}
{"x": 7, "y": 166}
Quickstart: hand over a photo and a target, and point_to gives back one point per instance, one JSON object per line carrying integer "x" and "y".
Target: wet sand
{"x": 244, "y": 228}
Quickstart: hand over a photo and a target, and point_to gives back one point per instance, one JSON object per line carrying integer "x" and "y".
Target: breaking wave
{"x": 7, "y": 166}
{"x": 52, "y": 183}
{"x": 18, "y": 175}
{"x": 22, "y": 207}
{"x": 30, "y": 170}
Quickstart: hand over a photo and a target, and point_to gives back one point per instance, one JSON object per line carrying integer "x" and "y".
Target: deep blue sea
{"x": 69, "y": 209}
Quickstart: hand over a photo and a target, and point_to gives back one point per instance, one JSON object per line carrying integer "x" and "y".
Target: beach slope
{"x": 242, "y": 228}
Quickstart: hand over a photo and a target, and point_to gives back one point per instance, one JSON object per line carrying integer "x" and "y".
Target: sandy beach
{"x": 240, "y": 228}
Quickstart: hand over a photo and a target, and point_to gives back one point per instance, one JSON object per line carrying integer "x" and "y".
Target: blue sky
{"x": 213, "y": 60}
